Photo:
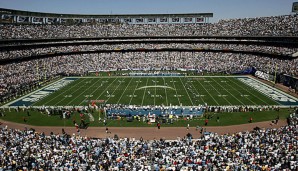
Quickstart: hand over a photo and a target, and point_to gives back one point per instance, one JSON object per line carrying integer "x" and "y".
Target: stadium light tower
{"x": 295, "y": 7}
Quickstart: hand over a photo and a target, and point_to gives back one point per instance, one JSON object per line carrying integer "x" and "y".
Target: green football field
{"x": 184, "y": 91}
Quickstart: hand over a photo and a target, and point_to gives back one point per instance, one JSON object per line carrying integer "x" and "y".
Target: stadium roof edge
{"x": 240, "y": 38}
{"x": 43, "y": 14}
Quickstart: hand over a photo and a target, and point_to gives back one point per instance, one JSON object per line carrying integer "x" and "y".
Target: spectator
{"x": 19, "y": 78}
{"x": 260, "y": 26}
{"x": 273, "y": 149}
{"x": 158, "y": 125}
{"x": 206, "y": 122}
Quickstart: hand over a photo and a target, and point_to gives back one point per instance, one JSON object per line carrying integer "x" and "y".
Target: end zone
{"x": 277, "y": 95}
{"x": 34, "y": 96}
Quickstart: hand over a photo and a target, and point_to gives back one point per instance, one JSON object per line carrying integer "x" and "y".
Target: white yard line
{"x": 252, "y": 93}
{"x": 220, "y": 94}
{"x": 134, "y": 91}
{"x": 228, "y": 92}
{"x": 115, "y": 89}
{"x": 176, "y": 91}
{"x": 244, "y": 90}
{"x": 106, "y": 88}
{"x": 144, "y": 92}
{"x": 115, "y": 78}
{"x": 62, "y": 93}
{"x": 97, "y": 87}
{"x": 208, "y": 93}
{"x": 79, "y": 94}
{"x": 164, "y": 82}
{"x": 198, "y": 92}
{"x": 186, "y": 91}
{"x": 124, "y": 91}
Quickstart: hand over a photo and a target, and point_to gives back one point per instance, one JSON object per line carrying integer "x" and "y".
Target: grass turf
{"x": 41, "y": 119}
{"x": 186, "y": 91}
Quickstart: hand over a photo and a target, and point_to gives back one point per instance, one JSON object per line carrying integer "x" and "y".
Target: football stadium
{"x": 159, "y": 91}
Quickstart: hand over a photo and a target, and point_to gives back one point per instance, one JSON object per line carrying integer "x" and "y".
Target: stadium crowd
{"x": 13, "y": 54}
{"x": 270, "y": 149}
{"x": 261, "y": 149}
{"x": 16, "y": 78}
{"x": 261, "y": 26}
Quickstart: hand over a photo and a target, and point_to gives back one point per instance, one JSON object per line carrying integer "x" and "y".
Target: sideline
{"x": 147, "y": 133}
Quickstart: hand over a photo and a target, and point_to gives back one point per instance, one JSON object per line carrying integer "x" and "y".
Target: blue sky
{"x": 222, "y": 9}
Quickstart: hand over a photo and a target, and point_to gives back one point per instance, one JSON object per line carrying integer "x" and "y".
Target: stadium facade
{"x": 27, "y": 17}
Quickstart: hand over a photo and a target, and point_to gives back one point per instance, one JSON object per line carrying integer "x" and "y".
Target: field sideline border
{"x": 246, "y": 76}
